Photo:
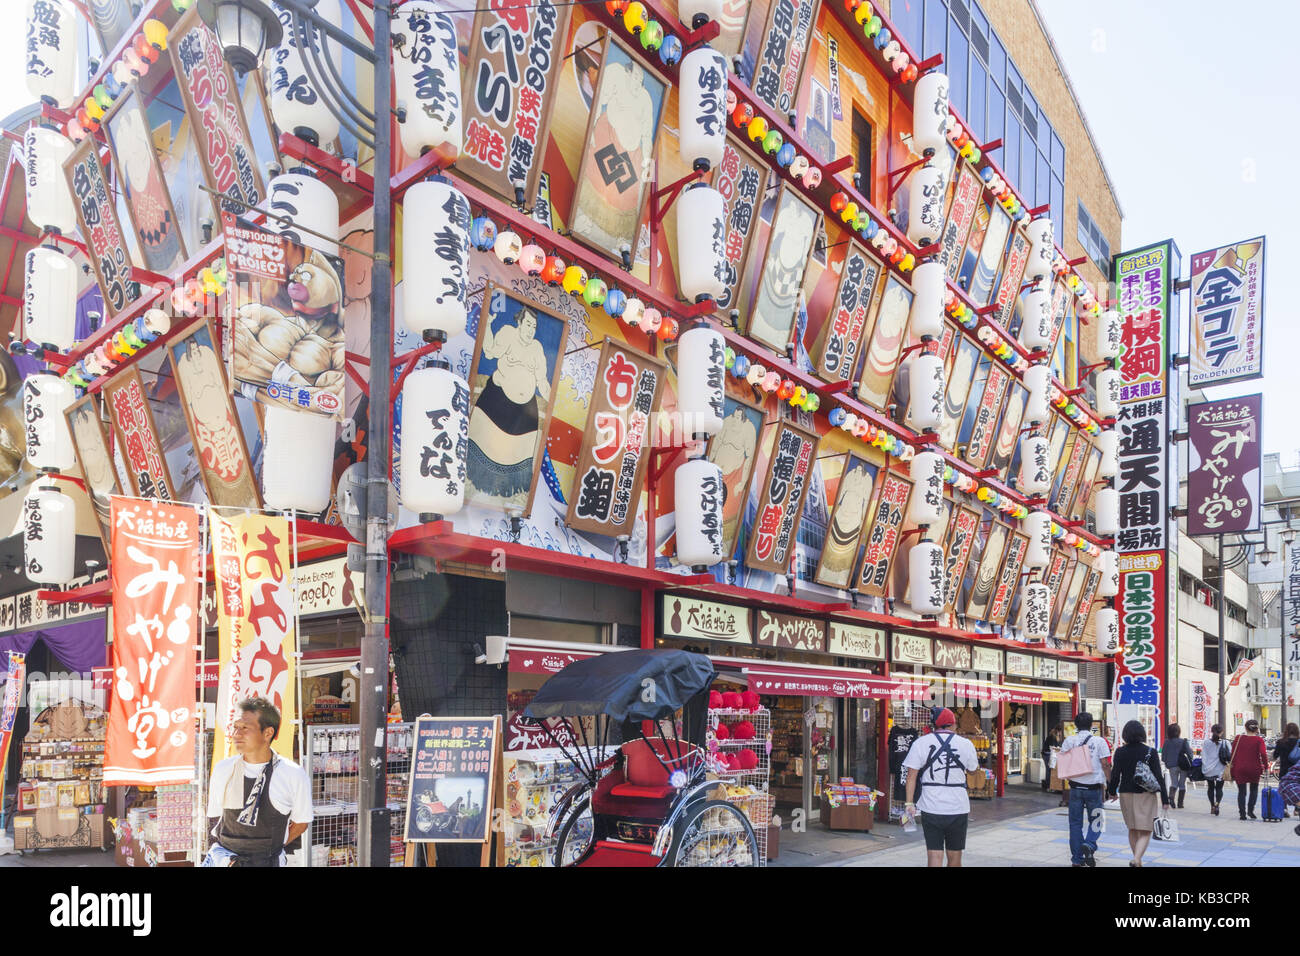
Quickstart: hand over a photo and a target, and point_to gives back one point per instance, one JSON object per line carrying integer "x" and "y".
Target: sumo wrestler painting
{"x": 516, "y": 370}
{"x": 733, "y": 449}
{"x": 848, "y": 520}
{"x": 289, "y": 344}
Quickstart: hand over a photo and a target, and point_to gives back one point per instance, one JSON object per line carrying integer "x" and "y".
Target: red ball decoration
{"x": 910, "y": 73}
{"x": 785, "y": 390}
{"x": 616, "y": 7}
{"x": 733, "y": 762}
{"x": 667, "y": 330}
{"x": 553, "y": 270}
{"x": 721, "y": 732}
{"x": 749, "y": 700}
{"x": 144, "y": 49}
{"x": 838, "y": 202}
{"x": 743, "y": 729}
{"x": 851, "y": 5}
{"x": 742, "y": 114}
{"x": 715, "y": 700}
{"x": 747, "y": 759}
{"x": 731, "y": 700}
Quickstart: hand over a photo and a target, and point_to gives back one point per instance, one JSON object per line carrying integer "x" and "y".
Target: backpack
{"x": 945, "y": 746}
{"x": 1143, "y": 778}
{"x": 1293, "y": 757}
{"x": 1185, "y": 757}
{"x": 1225, "y": 753}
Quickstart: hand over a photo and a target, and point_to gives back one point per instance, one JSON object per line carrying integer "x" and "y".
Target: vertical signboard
{"x": 781, "y": 498}
{"x": 1227, "y": 335}
{"x": 1223, "y": 469}
{"x": 1201, "y": 711}
{"x": 891, "y": 506}
{"x": 137, "y": 435}
{"x": 739, "y": 179}
{"x": 837, "y": 356}
{"x": 965, "y": 199}
{"x": 97, "y": 218}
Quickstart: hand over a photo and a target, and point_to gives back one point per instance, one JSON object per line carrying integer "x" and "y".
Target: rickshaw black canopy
{"x": 625, "y": 686}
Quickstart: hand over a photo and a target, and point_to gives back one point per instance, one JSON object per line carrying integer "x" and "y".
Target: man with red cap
{"x": 940, "y": 761}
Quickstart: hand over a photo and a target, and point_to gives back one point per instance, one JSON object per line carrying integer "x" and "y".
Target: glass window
{"x": 1011, "y": 149}
{"x": 960, "y": 14}
{"x": 997, "y": 61}
{"x": 1058, "y": 154}
{"x": 1043, "y": 194}
{"x": 956, "y": 62}
{"x": 936, "y": 28}
{"x": 1028, "y": 164}
{"x": 1013, "y": 80}
{"x": 907, "y": 16}
{"x": 979, "y": 22}
{"x": 1058, "y": 203}
{"x": 996, "y": 112}
{"x": 1030, "y": 111}
{"x": 975, "y": 114}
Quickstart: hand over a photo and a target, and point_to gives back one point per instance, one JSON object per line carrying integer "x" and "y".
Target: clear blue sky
{"x": 1194, "y": 108}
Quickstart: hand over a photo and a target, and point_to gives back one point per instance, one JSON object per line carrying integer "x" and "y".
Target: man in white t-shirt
{"x": 260, "y": 801}
{"x": 941, "y": 760}
{"x": 1087, "y": 792}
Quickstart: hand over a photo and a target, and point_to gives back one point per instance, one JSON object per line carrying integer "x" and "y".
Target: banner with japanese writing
{"x": 156, "y": 610}
{"x": 1227, "y": 335}
{"x": 842, "y": 336}
{"x": 1142, "y": 481}
{"x": 739, "y": 178}
{"x": 1290, "y": 598}
{"x": 514, "y": 56}
{"x": 12, "y": 675}
{"x": 882, "y": 540}
{"x": 965, "y": 200}
{"x": 781, "y": 498}
{"x": 137, "y": 435}
{"x": 1245, "y": 664}
{"x": 1142, "y": 285}
{"x": 612, "y": 464}
{"x": 97, "y": 218}
{"x": 1202, "y": 711}
{"x": 256, "y": 622}
{"x": 1140, "y": 665}
{"x": 782, "y": 52}
{"x": 1223, "y": 467}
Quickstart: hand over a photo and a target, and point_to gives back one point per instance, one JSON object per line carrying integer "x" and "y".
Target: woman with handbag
{"x": 1177, "y": 756}
{"x": 1248, "y": 762}
{"x": 1215, "y": 754}
{"x": 1135, "y": 775}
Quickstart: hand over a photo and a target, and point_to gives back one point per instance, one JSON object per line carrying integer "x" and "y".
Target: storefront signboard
{"x": 1045, "y": 668}
{"x": 883, "y": 537}
{"x": 1067, "y": 671}
{"x": 452, "y": 786}
{"x": 1020, "y": 665}
{"x": 137, "y": 435}
{"x": 1201, "y": 711}
{"x": 106, "y": 246}
{"x": 850, "y": 640}
{"x": 740, "y": 180}
{"x": 155, "y": 559}
{"x": 1227, "y": 314}
{"x": 1223, "y": 473}
{"x": 983, "y": 428}
{"x": 986, "y": 660}
{"x": 1140, "y": 666}
{"x": 837, "y": 358}
{"x": 1084, "y": 610}
{"x": 965, "y": 199}
{"x": 1009, "y": 578}
{"x": 96, "y": 460}
{"x": 961, "y": 538}
{"x": 789, "y": 631}
{"x": 327, "y": 587}
{"x": 1008, "y": 294}
{"x": 781, "y": 499}
{"x": 705, "y": 620}
{"x": 912, "y": 649}
{"x": 782, "y": 53}
{"x": 952, "y": 655}
{"x": 611, "y": 466}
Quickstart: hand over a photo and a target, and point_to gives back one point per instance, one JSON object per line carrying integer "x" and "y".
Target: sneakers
{"x": 1089, "y": 855}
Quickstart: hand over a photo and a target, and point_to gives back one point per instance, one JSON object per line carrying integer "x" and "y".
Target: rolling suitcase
{"x": 1271, "y": 806}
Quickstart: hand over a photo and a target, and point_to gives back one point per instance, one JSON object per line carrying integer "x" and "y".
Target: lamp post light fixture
{"x": 246, "y": 29}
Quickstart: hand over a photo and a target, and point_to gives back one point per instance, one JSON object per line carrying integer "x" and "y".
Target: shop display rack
{"x": 747, "y": 789}
{"x": 332, "y": 763}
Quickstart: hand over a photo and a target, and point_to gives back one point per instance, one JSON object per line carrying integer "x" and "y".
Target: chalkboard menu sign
{"x": 453, "y": 776}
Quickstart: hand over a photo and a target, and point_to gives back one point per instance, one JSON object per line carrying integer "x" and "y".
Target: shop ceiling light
{"x": 246, "y": 29}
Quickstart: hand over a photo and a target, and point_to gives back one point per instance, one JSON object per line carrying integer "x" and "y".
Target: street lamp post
{"x": 246, "y": 29}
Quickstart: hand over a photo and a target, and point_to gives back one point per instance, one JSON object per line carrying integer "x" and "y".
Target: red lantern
{"x": 553, "y": 270}
{"x": 667, "y": 329}
{"x": 616, "y": 7}
{"x": 910, "y": 73}
{"x": 144, "y": 49}
{"x": 838, "y": 202}
{"x": 742, "y": 114}
{"x": 785, "y": 390}
{"x": 88, "y": 123}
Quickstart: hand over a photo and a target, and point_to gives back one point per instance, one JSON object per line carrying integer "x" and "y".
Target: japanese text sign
{"x": 97, "y": 218}
{"x": 1141, "y": 664}
{"x": 842, "y": 338}
{"x": 784, "y": 47}
{"x": 1142, "y": 285}
{"x": 1201, "y": 711}
{"x": 788, "y": 631}
{"x": 453, "y": 779}
{"x": 687, "y": 617}
{"x": 155, "y": 587}
{"x": 886, "y": 524}
{"x": 1227, "y": 336}
{"x": 780, "y": 501}
{"x": 965, "y": 200}
{"x": 739, "y": 179}
{"x": 1142, "y": 482}
{"x": 137, "y": 436}
{"x": 1223, "y": 473}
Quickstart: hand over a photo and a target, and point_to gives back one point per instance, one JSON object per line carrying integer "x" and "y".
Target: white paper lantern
{"x": 1108, "y": 565}
{"x": 1108, "y": 381}
{"x": 426, "y": 72}
{"x": 298, "y": 460}
{"x": 927, "y": 391}
{"x": 1038, "y": 379}
{"x": 1107, "y": 509}
{"x": 435, "y": 251}
{"x": 1042, "y": 252}
{"x": 928, "y": 284}
{"x": 926, "y": 504}
{"x": 1036, "y": 324}
{"x": 297, "y": 105}
{"x": 1035, "y": 475}
{"x": 701, "y": 243}
{"x": 1038, "y": 526}
{"x": 696, "y": 13}
{"x": 701, "y": 369}
{"x": 699, "y": 493}
{"x": 50, "y": 298}
{"x": 49, "y": 442}
{"x": 1107, "y": 630}
{"x": 1035, "y": 611}
{"x": 51, "y": 51}
{"x": 701, "y": 108}
{"x": 49, "y": 200}
{"x": 1108, "y": 443}
{"x": 49, "y": 535}
{"x": 925, "y": 205}
{"x": 307, "y": 203}
{"x": 1110, "y": 334}
{"x": 925, "y": 578}
{"x": 930, "y": 114}
{"x": 435, "y": 441}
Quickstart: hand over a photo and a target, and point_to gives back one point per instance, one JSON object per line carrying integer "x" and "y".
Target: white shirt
{"x": 1100, "y": 751}
{"x": 951, "y": 768}
{"x": 290, "y": 787}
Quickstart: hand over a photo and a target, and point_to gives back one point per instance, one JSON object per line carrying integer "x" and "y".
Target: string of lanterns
{"x": 874, "y": 29}
{"x": 144, "y": 50}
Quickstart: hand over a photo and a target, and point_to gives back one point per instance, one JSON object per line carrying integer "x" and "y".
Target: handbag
{"x": 1227, "y": 764}
{"x": 1197, "y": 773}
{"x": 1143, "y": 778}
{"x": 1165, "y": 829}
{"x": 1076, "y": 762}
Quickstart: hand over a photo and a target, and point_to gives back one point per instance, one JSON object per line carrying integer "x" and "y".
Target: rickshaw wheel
{"x": 714, "y": 833}
{"x": 573, "y": 845}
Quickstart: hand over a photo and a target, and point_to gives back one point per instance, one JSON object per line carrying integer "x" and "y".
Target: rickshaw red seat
{"x": 614, "y": 796}
{"x": 643, "y": 767}
{"x": 649, "y": 793}
{"x": 609, "y": 853}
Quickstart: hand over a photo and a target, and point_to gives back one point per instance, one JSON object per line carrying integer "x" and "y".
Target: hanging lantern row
{"x": 993, "y": 183}
{"x": 115, "y": 350}
{"x": 771, "y": 383}
{"x": 874, "y": 29}
{"x": 873, "y": 232}
{"x": 142, "y": 53}
{"x": 864, "y": 429}
{"x": 1087, "y": 298}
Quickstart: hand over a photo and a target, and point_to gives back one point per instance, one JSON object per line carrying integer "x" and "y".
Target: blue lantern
{"x": 837, "y": 416}
{"x": 873, "y": 227}
{"x": 987, "y": 174}
{"x": 671, "y": 51}
{"x": 113, "y": 85}
{"x": 483, "y": 233}
{"x": 882, "y": 39}
{"x": 785, "y": 155}
{"x": 740, "y": 368}
{"x": 615, "y": 302}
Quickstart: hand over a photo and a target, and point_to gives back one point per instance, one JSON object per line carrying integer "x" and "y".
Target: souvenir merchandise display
{"x": 848, "y": 805}
{"x": 534, "y": 781}
{"x": 1016, "y": 740}
{"x": 908, "y": 720}
{"x": 332, "y": 764}
{"x": 977, "y": 727}
{"x": 740, "y": 739}
{"x": 787, "y": 757}
{"x": 61, "y": 799}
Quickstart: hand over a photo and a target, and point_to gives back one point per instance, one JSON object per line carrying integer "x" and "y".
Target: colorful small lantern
{"x": 532, "y": 260}
{"x": 483, "y": 233}
{"x": 553, "y": 271}
{"x": 508, "y": 246}
{"x": 670, "y": 52}
{"x": 615, "y": 302}
{"x": 757, "y": 129}
{"x": 742, "y": 114}
{"x": 773, "y": 141}
{"x": 595, "y": 291}
{"x": 634, "y": 17}
{"x": 651, "y": 319}
{"x": 574, "y": 279}
{"x": 652, "y": 37}
{"x": 785, "y": 156}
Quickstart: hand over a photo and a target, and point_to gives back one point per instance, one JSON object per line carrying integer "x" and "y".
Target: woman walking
{"x": 1137, "y": 802}
{"x": 1214, "y": 761}
{"x": 1248, "y": 763}
{"x": 1287, "y": 744}
{"x": 1177, "y": 755}
{"x": 1052, "y": 740}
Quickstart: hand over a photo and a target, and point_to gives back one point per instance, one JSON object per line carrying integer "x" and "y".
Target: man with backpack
{"x": 1087, "y": 773}
{"x": 939, "y": 762}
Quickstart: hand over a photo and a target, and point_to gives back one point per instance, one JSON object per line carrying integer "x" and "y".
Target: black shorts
{"x": 944, "y": 831}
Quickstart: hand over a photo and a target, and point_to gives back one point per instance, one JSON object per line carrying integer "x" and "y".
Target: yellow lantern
{"x": 757, "y": 128}
{"x": 575, "y": 279}
{"x": 155, "y": 31}
{"x": 634, "y": 17}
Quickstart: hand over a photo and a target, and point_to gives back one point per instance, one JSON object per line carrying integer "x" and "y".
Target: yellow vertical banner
{"x": 255, "y": 622}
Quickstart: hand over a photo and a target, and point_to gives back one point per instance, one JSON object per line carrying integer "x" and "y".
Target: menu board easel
{"x": 453, "y": 783}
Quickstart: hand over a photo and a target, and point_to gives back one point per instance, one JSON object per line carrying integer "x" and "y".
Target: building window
{"x": 1092, "y": 240}
{"x": 862, "y": 153}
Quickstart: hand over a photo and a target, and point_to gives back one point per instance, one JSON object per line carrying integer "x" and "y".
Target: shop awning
{"x": 831, "y": 682}
{"x": 1011, "y": 693}
{"x": 549, "y": 657}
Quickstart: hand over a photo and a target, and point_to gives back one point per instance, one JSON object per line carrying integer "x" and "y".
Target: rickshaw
{"x": 633, "y": 724}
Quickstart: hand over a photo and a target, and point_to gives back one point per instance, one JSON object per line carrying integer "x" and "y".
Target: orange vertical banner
{"x": 155, "y": 580}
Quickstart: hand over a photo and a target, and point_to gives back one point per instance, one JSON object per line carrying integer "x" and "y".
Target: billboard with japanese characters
{"x": 1140, "y": 666}
{"x": 1227, "y": 335}
{"x": 1223, "y": 466}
